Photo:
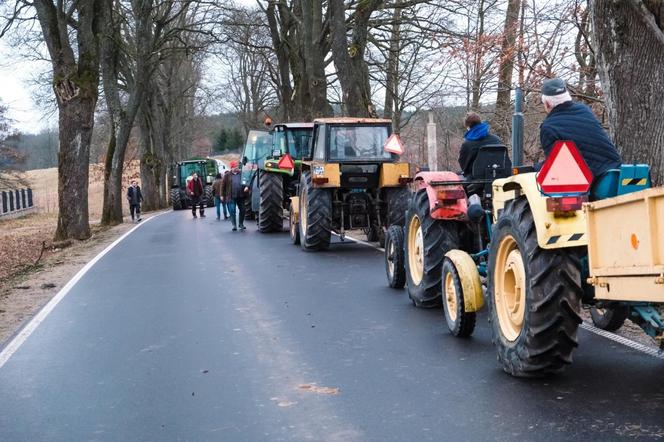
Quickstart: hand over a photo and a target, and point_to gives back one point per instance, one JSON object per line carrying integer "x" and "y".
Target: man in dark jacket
{"x": 233, "y": 194}
{"x": 568, "y": 120}
{"x": 195, "y": 189}
{"x": 477, "y": 135}
{"x": 135, "y": 198}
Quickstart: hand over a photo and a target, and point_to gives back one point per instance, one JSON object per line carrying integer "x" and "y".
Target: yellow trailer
{"x": 626, "y": 246}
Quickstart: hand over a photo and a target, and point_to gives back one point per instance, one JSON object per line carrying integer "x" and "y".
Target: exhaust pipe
{"x": 517, "y": 129}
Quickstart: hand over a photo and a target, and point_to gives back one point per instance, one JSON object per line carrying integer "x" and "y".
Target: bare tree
{"x": 629, "y": 44}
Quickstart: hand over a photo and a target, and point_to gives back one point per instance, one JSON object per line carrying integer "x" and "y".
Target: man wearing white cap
{"x": 570, "y": 120}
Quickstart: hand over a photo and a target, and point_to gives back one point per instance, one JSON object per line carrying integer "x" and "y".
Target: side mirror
{"x": 244, "y": 160}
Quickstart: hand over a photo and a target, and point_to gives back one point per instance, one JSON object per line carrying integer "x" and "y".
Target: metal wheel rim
{"x": 451, "y": 296}
{"x": 510, "y": 289}
{"x": 390, "y": 258}
{"x": 416, "y": 250}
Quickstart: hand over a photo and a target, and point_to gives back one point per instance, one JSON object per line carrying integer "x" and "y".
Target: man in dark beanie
{"x": 569, "y": 120}
{"x": 477, "y": 135}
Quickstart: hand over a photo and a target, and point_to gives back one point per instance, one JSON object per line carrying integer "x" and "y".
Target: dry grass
{"x": 22, "y": 239}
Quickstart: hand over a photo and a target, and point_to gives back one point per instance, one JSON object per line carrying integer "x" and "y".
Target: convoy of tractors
{"x": 534, "y": 247}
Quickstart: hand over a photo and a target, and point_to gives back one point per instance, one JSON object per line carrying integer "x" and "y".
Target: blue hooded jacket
{"x": 476, "y": 137}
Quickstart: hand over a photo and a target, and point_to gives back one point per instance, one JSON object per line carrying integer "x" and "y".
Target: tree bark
{"x": 502, "y": 117}
{"x": 352, "y": 68}
{"x": 75, "y": 83}
{"x": 629, "y": 45}
{"x": 392, "y": 74}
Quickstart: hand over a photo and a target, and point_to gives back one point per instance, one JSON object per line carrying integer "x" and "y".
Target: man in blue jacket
{"x": 569, "y": 120}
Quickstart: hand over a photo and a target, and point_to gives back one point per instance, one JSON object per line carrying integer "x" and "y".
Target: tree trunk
{"x": 478, "y": 59}
{"x": 392, "y": 74}
{"x": 502, "y": 117}
{"x": 76, "y": 121}
{"x": 352, "y": 68}
{"x": 629, "y": 45}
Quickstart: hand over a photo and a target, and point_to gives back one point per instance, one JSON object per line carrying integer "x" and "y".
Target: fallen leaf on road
{"x": 313, "y": 388}
{"x": 282, "y": 402}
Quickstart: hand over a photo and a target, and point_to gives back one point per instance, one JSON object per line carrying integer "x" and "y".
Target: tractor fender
{"x": 469, "y": 276}
{"x": 457, "y": 211}
{"x": 553, "y": 232}
{"x": 295, "y": 206}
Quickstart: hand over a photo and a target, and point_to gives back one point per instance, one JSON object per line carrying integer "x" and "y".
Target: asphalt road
{"x": 188, "y": 331}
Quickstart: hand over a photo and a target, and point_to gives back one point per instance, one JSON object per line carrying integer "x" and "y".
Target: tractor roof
{"x": 352, "y": 120}
{"x": 296, "y": 125}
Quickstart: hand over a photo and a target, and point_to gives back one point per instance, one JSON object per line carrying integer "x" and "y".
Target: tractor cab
{"x": 256, "y": 150}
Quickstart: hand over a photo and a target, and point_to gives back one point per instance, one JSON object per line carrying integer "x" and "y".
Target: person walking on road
{"x": 216, "y": 192}
{"x": 195, "y": 190}
{"x": 135, "y": 198}
{"x": 233, "y": 193}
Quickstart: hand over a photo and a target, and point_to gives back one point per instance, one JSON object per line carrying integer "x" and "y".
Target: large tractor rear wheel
{"x": 176, "y": 199}
{"x": 394, "y": 258}
{"x": 271, "y": 210}
{"x": 427, "y": 242}
{"x": 397, "y": 204}
{"x": 534, "y": 296}
{"x": 315, "y": 215}
{"x": 209, "y": 196}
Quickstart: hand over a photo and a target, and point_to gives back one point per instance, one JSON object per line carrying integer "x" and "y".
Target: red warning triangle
{"x": 565, "y": 171}
{"x": 286, "y": 162}
{"x": 393, "y": 145}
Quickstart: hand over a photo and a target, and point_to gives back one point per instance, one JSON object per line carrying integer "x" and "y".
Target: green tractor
{"x": 271, "y": 165}
{"x": 207, "y": 169}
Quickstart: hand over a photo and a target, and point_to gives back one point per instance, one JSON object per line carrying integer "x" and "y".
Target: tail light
{"x": 565, "y": 203}
{"x": 450, "y": 196}
{"x": 405, "y": 180}
{"x": 320, "y": 180}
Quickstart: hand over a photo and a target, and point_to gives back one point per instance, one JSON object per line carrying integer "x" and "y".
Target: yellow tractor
{"x": 350, "y": 179}
{"x": 551, "y": 251}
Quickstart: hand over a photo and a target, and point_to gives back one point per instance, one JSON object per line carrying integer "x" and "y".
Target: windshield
{"x": 259, "y": 145}
{"x": 298, "y": 142}
{"x": 358, "y": 143}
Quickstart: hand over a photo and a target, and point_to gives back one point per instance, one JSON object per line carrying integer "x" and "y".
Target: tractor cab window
{"x": 349, "y": 143}
{"x": 319, "y": 149}
{"x": 278, "y": 143}
{"x": 259, "y": 146}
{"x": 298, "y": 143}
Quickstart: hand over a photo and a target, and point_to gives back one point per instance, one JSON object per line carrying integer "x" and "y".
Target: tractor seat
{"x": 492, "y": 162}
{"x": 605, "y": 185}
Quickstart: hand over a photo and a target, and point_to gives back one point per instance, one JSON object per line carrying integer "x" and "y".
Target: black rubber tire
{"x": 319, "y": 215}
{"x": 293, "y": 228}
{"x": 176, "y": 199}
{"x": 548, "y": 336}
{"x": 611, "y": 317}
{"x": 439, "y": 237}
{"x": 372, "y": 233}
{"x": 394, "y": 254}
{"x": 249, "y": 214}
{"x": 464, "y": 323}
{"x": 397, "y": 204}
{"x": 209, "y": 196}
{"x": 271, "y": 208}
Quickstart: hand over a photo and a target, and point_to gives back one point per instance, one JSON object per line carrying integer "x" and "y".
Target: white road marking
{"x": 651, "y": 351}
{"x": 31, "y": 326}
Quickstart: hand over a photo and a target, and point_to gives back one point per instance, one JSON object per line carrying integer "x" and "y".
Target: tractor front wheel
{"x": 534, "y": 296}
{"x": 315, "y": 221}
{"x": 459, "y": 322}
{"x": 609, "y": 316}
{"x": 176, "y": 199}
{"x": 394, "y": 258}
{"x": 209, "y": 196}
{"x": 271, "y": 211}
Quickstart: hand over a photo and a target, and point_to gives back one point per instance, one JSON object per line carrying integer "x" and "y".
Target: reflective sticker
{"x": 319, "y": 170}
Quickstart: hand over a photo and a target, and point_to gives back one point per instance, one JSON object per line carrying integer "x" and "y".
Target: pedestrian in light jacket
{"x": 135, "y": 198}
{"x": 216, "y": 192}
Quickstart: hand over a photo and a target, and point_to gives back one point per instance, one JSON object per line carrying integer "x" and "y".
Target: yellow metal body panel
{"x": 391, "y": 172}
{"x": 330, "y": 171}
{"x": 470, "y": 280}
{"x": 626, "y": 246}
{"x": 553, "y": 232}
